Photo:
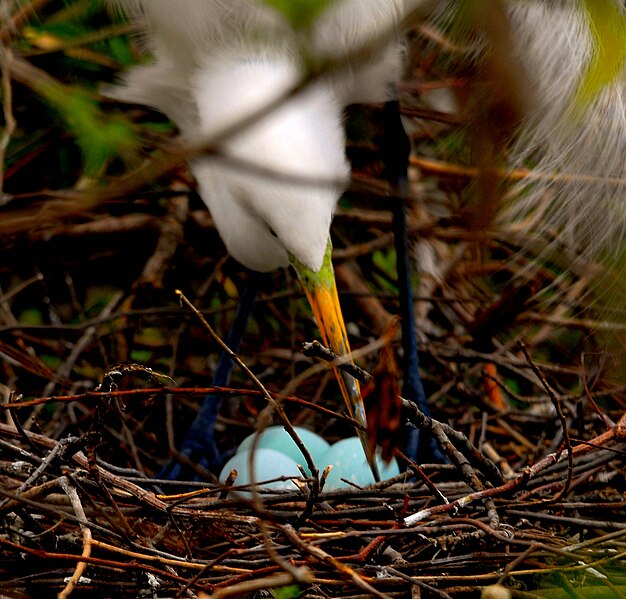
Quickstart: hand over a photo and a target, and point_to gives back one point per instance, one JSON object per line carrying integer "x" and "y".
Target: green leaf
{"x": 607, "y": 24}
{"x": 99, "y": 137}
{"x": 301, "y": 14}
{"x": 141, "y": 355}
{"x": 121, "y": 52}
{"x": 287, "y": 592}
{"x": 31, "y": 316}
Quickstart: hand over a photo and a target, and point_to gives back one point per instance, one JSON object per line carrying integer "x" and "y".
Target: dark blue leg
{"x": 199, "y": 445}
{"x": 396, "y": 148}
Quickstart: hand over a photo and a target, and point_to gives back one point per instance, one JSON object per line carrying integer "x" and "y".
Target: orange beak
{"x": 321, "y": 291}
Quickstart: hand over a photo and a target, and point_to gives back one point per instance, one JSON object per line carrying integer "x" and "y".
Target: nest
{"x": 103, "y": 369}
{"x": 76, "y": 524}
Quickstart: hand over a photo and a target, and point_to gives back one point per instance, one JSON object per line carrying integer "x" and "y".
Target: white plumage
{"x": 583, "y": 145}
{"x": 218, "y": 62}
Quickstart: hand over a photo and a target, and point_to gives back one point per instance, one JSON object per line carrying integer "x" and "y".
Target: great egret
{"x": 218, "y": 63}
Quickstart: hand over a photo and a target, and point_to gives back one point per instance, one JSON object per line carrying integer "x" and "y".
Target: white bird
{"x": 573, "y": 204}
{"x": 583, "y": 140}
{"x": 218, "y": 62}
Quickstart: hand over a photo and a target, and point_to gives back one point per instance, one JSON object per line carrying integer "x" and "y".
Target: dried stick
{"x": 55, "y": 452}
{"x": 328, "y": 559}
{"x": 77, "y": 506}
{"x": 557, "y": 406}
{"x": 9, "y": 120}
{"x": 617, "y": 433}
{"x": 255, "y": 381}
{"x": 313, "y": 483}
{"x": 260, "y": 584}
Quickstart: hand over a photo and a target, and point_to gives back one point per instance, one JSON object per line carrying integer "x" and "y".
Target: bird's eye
{"x": 273, "y": 233}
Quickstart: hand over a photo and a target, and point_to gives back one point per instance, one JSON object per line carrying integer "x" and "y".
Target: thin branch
{"x": 81, "y": 566}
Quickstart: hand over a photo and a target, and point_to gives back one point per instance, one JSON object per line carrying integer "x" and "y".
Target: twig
{"x": 616, "y": 433}
{"x": 425, "y": 423}
{"x": 79, "y": 347}
{"x": 260, "y": 584}
{"x": 313, "y": 485}
{"x": 55, "y": 452}
{"x": 328, "y": 559}
{"x": 261, "y": 388}
{"x": 420, "y": 583}
{"x": 77, "y": 506}
{"x": 314, "y": 349}
{"x": 559, "y": 412}
{"x": 420, "y": 474}
{"x": 466, "y": 470}
{"x": 9, "y": 119}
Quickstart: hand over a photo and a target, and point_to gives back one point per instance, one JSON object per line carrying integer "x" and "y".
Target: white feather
{"x": 581, "y": 152}
{"x": 216, "y": 62}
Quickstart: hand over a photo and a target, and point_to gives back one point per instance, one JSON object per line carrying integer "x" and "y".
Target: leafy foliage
{"x": 300, "y": 14}
{"x": 100, "y": 137}
{"x": 607, "y": 23}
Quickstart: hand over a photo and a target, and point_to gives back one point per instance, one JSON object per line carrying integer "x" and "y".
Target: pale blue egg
{"x": 348, "y": 461}
{"x": 276, "y": 437}
{"x": 268, "y": 464}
